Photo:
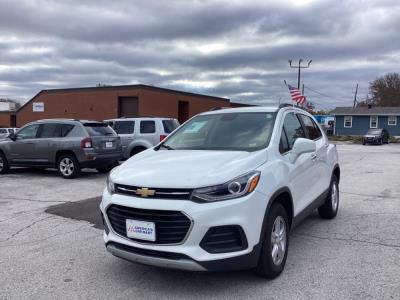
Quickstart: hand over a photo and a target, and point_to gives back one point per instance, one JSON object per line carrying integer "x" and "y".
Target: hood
{"x": 185, "y": 168}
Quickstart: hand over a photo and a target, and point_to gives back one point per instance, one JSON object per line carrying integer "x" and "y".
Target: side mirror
{"x": 300, "y": 147}
{"x": 12, "y": 136}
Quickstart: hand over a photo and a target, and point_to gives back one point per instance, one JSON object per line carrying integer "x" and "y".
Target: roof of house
{"x": 365, "y": 111}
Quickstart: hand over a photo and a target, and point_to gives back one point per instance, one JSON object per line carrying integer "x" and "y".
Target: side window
{"x": 47, "y": 131}
{"x": 28, "y": 132}
{"x": 293, "y": 129}
{"x": 311, "y": 128}
{"x": 3, "y": 130}
{"x": 147, "y": 127}
{"x": 284, "y": 145}
{"x": 124, "y": 127}
{"x": 63, "y": 130}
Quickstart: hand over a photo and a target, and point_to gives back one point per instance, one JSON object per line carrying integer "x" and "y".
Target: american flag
{"x": 297, "y": 95}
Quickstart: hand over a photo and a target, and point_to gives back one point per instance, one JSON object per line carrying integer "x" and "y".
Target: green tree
{"x": 385, "y": 90}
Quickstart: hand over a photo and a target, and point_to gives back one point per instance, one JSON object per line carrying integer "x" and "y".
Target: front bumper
{"x": 246, "y": 212}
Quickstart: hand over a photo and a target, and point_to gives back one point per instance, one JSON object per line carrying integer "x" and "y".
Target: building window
{"x": 392, "y": 120}
{"x": 348, "y": 121}
{"x": 373, "y": 122}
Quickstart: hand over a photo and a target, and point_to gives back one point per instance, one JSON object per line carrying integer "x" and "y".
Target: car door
{"x": 320, "y": 158}
{"x": 303, "y": 177}
{"x": 23, "y": 149}
{"x": 125, "y": 129}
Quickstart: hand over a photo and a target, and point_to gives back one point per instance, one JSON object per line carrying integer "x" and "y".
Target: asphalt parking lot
{"x": 357, "y": 255}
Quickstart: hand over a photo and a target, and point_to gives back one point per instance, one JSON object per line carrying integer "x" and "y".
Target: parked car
{"x": 4, "y": 132}
{"x": 223, "y": 191}
{"x": 376, "y": 136}
{"x": 138, "y": 134}
{"x": 67, "y": 145}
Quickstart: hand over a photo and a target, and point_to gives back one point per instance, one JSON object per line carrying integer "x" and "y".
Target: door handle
{"x": 314, "y": 157}
{"x": 326, "y": 145}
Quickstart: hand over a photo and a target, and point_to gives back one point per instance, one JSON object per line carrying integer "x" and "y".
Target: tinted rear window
{"x": 170, "y": 125}
{"x": 124, "y": 127}
{"x": 147, "y": 127}
{"x": 98, "y": 129}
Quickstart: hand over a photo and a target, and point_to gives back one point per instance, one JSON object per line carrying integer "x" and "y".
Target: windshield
{"x": 229, "y": 131}
{"x": 374, "y": 131}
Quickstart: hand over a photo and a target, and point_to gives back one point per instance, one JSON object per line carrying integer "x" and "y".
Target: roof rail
{"x": 289, "y": 105}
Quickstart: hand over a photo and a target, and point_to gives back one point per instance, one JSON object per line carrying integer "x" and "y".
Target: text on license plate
{"x": 141, "y": 230}
{"x": 109, "y": 144}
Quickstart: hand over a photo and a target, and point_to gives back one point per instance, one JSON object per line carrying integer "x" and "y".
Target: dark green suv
{"x": 64, "y": 144}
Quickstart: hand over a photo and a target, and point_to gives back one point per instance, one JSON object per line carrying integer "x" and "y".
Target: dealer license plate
{"x": 141, "y": 230}
{"x": 109, "y": 144}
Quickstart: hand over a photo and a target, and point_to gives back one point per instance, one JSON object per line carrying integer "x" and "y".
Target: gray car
{"x": 138, "y": 134}
{"x": 68, "y": 145}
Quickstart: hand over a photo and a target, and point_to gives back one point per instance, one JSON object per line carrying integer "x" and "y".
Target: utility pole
{"x": 355, "y": 96}
{"x": 299, "y": 67}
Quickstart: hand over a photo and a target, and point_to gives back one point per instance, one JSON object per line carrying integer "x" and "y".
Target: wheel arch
{"x": 59, "y": 153}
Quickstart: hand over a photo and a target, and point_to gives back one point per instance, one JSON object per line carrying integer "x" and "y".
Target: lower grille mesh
{"x": 171, "y": 226}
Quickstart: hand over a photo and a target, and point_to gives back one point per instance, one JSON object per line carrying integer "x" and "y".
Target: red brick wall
{"x": 102, "y": 104}
{"x": 5, "y": 119}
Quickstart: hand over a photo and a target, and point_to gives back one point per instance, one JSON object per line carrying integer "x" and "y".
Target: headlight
{"x": 235, "y": 188}
{"x": 110, "y": 186}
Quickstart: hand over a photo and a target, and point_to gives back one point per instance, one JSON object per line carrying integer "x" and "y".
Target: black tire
{"x": 4, "y": 166}
{"x": 108, "y": 168}
{"x": 380, "y": 142}
{"x": 74, "y": 170}
{"x": 329, "y": 209}
{"x": 136, "y": 150}
{"x": 363, "y": 143}
{"x": 266, "y": 267}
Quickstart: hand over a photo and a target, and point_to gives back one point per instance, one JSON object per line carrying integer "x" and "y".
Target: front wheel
{"x": 329, "y": 209}
{"x": 68, "y": 167}
{"x": 275, "y": 243}
{"x": 4, "y": 167}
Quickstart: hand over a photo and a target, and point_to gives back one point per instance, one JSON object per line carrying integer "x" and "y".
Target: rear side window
{"x": 11, "y": 130}
{"x": 147, "y": 127}
{"x": 124, "y": 127}
{"x": 98, "y": 129}
{"x": 170, "y": 125}
{"x": 292, "y": 130}
{"x": 311, "y": 128}
{"x": 54, "y": 130}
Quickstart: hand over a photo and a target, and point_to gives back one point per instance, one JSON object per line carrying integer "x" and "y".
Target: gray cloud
{"x": 235, "y": 49}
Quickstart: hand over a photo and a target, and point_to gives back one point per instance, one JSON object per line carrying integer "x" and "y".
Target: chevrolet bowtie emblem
{"x": 145, "y": 192}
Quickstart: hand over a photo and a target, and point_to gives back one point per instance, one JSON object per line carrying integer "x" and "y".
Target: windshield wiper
{"x": 166, "y": 147}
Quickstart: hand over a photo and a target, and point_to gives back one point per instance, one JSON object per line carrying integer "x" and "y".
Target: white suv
{"x": 139, "y": 134}
{"x": 223, "y": 191}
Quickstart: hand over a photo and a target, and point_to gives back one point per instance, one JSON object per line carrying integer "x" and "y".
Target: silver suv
{"x": 4, "y": 132}
{"x": 65, "y": 144}
{"x": 138, "y": 134}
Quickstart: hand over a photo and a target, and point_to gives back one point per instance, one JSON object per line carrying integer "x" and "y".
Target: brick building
{"x": 99, "y": 103}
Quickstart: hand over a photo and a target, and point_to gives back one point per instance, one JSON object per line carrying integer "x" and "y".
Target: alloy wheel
{"x": 334, "y": 196}
{"x": 67, "y": 166}
{"x": 278, "y": 240}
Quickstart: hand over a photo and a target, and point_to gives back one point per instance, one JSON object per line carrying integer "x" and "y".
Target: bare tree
{"x": 385, "y": 90}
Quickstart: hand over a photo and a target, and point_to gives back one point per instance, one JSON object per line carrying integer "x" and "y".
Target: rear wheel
{"x": 4, "y": 167}
{"x": 68, "y": 167}
{"x": 331, "y": 205}
{"x": 275, "y": 243}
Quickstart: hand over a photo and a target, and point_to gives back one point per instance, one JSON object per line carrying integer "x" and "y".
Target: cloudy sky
{"x": 234, "y": 49}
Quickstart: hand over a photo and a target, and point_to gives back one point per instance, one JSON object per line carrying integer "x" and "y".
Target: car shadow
{"x": 50, "y": 172}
